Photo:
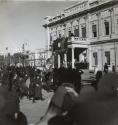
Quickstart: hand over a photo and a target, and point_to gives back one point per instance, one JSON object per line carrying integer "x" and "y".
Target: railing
{"x": 76, "y": 39}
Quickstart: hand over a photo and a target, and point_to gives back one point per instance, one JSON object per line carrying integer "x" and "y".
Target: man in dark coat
{"x": 38, "y": 89}
{"x": 11, "y": 75}
{"x": 105, "y": 68}
{"x": 9, "y": 108}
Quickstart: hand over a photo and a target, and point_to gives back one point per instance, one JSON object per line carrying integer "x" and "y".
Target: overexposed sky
{"x": 21, "y": 22}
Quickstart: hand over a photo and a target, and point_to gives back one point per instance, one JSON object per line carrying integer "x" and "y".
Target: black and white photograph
{"x": 58, "y": 62}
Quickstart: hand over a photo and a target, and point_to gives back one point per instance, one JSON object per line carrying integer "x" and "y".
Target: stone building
{"x": 91, "y": 29}
{"x": 38, "y": 58}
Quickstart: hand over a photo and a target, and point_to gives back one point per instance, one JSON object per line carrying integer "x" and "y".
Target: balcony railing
{"x": 79, "y": 42}
{"x": 77, "y": 39}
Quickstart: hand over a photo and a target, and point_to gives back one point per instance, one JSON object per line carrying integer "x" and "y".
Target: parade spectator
{"x": 105, "y": 68}
{"x": 98, "y": 77}
{"x": 10, "y": 77}
{"x": 113, "y": 68}
{"x": 25, "y": 81}
{"x": 9, "y": 108}
{"x": 37, "y": 89}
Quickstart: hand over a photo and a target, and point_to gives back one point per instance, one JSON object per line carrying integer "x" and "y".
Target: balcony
{"x": 78, "y": 42}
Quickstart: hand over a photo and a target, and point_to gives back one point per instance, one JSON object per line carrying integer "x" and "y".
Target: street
{"x": 34, "y": 111}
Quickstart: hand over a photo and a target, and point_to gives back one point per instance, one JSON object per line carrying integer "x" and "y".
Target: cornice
{"x": 82, "y": 13}
{"x": 104, "y": 41}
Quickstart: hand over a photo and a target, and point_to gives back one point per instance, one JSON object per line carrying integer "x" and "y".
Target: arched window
{"x": 106, "y": 23}
{"x": 76, "y": 31}
{"x": 83, "y": 28}
{"x": 94, "y": 30}
{"x": 107, "y": 55}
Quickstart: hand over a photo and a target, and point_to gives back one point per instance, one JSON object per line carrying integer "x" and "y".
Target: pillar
{"x": 53, "y": 60}
{"x": 90, "y": 58}
{"x": 73, "y": 60}
{"x": 59, "y": 61}
{"x": 65, "y": 60}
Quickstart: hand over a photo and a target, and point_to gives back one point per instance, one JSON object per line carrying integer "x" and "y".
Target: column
{"x": 90, "y": 58}
{"x": 73, "y": 60}
{"x": 111, "y": 21}
{"x": 102, "y": 57}
{"x": 53, "y": 60}
{"x": 115, "y": 55}
{"x": 59, "y": 61}
{"x": 65, "y": 60}
{"x": 99, "y": 25}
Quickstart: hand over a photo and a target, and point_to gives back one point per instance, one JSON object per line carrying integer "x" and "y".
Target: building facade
{"x": 38, "y": 58}
{"x": 91, "y": 29}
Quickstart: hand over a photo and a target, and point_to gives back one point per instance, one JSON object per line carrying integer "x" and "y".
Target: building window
{"x": 50, "y": 36}
{"x": 76, "y": 31}
{"x": 94, "y": 30}
{"x": 106, "y": 28}
{"x": 55, "y": 33}
{"x": 95, "y": 58}
{"x": 84, "y": 32}
{"x": 69, "y": 33}
{"x": 64, "y": 32}
{"x": 107, "y": 55}
{"x": 59, "y": 35}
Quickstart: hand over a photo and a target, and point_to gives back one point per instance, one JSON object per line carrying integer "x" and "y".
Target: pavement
{"x": 34, "y": 111}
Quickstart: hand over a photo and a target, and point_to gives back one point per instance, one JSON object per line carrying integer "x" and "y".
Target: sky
{"x": 21, "y": 22}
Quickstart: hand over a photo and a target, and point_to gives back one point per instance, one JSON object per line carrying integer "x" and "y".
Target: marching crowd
{"x": 29, "y": 81}
{"x": 25, "y": 81}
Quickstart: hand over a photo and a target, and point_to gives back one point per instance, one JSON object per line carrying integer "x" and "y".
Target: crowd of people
{"x": 29, "y": 81}
{"x": 17, "y": 82}
{"x": 25, "y": 81}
